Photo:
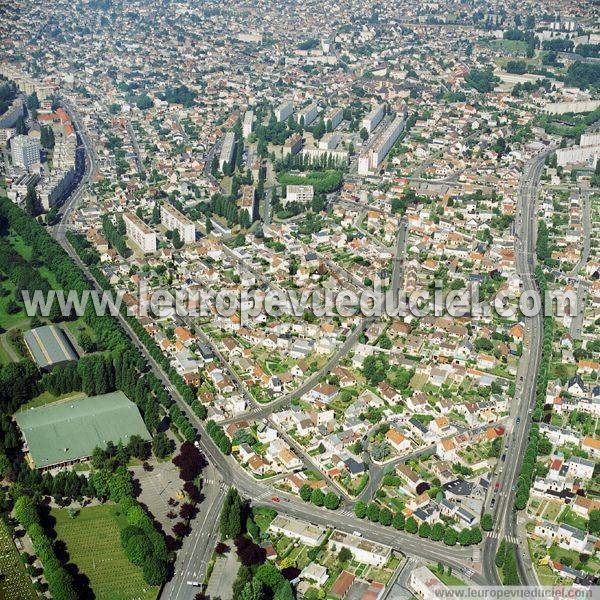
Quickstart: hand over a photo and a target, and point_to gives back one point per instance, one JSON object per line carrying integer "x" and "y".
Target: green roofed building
{"x": 63, "y": 433}
{"x": 49, "y": 346}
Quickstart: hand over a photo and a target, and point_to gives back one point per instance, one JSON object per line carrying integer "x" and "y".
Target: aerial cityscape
{"x": 299, "y": 300}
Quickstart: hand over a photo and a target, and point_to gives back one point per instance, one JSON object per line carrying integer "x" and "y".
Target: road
{"x": 581, "y": 285}
{"x": 516, "y": 438}
{"x": 136, "y": 148}
{"x": 195, "y": 554}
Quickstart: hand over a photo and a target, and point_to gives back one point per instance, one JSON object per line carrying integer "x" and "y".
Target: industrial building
{"x": 49, "y": 347}
{"x": 63, "y": 433}
{"x": 171, "y": 218}
{"x": 138, "y": 232}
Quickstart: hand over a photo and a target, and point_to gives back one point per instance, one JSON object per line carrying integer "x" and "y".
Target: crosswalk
{"x": 347, "y": 513}
{"x": 509, "y": 538}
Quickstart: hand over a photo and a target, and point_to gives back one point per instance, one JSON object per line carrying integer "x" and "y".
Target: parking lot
{"x": 157, "y": 486}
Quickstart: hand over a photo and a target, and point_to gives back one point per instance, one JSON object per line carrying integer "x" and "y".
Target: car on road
{"x": 518, "y": 420}
{"x": 275, "y": 498}
{"x": 504, "y": 457}
{"x": 493, "y": 502}
{"x": 357, "y": 533}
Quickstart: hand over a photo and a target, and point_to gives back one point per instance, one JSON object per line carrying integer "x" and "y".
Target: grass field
{"x": 14, "y": 583}
{"x": 92, "y": 540}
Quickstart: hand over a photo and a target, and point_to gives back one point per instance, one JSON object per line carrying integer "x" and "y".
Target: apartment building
{"x": 171, "y": 218}
{"x": 369, "y": 161}
{"x": 25, "y": 151}
{"x": 298, "y": 193}
{"x": 138, "y": 232}
{"x": 335, "y": 117}
{"x": 373, "y": 119}
{"x": 247, "y": 123}
{"x": 227, "y": 149}
{"x": 55, "y": 188}
{"x": 308, "y": 114}
{"x": 284, "y": 110}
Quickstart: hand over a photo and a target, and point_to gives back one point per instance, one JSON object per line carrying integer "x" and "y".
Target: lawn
{"x": 446, "y": 577}
{"x": 14, "y": 583}
{"x": 93, "y": 543}
{"x": 570, "y": 517}
{"x": 263, "y": 517}
{"x": 47, "y": 398}
{"x": 8, "y": 320}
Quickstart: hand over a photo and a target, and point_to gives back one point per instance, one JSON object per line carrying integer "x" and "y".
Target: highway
{"x": 516, "y": 437}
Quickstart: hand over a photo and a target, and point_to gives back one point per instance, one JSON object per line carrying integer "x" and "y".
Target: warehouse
{"x": 64, "y": 433}
{"x": 49, "y": 347}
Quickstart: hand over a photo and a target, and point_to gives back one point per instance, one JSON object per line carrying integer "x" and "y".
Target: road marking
{"x": 509, "y": 538}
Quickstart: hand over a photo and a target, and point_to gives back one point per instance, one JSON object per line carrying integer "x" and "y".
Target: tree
{"x": 138, "y": 548}
{"x": 398, "y": 521}
{"x": 487, "y": 522}
{"x": 450, "y": 537}
{"x": 364, "y": 134}
{"x": 437, "y": 532}
{"x": 360, "y": 509}
{"x": 248, "y": 552}
{"x": 162, "y": 446}
{"x": 594, "y": 522}
{"x": 284, "y": 592}
{"x": 26, "y": 512}
{"x": 373, "y": 512}
{"x": 138, "y": 447}
{"x": 253, "y": 591}
{"x": 176, "y": 239}
{"x": 385, "y": 516}
{"x": 464, "y": 537}
{"x": 411, "y": 525}
{"x": 120, "y": 484}
{"x": 344, "y": 555}
{"x": 424, "y": 530}
{"x": 332, "y": 500}
{"x": 269, "y": 575}
{"x": 317, "y": 497}
{"x": 252, "y": 528}
{"x": 32, "y": 202}
{"x": 244, "y": 576}
{"x": 305, "y": 492}
{"x": 155, "y": 571}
